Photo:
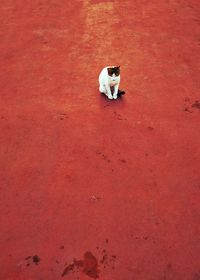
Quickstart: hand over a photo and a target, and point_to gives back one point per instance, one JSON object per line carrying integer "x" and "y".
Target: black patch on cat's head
{"x": 114, "y": 70}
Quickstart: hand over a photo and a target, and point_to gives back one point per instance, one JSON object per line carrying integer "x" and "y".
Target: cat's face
{"x": 114, "y": 71}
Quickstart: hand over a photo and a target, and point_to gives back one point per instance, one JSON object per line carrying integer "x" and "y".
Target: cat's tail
{"x": 120, "y": 92}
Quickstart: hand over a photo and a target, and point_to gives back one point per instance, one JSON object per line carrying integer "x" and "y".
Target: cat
{"x": 109, "y": 80}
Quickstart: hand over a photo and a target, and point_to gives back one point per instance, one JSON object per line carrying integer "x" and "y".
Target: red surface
{"x": 91, "y": 187}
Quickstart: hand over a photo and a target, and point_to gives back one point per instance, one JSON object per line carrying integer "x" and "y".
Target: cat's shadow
{"x": 105, "y": 102}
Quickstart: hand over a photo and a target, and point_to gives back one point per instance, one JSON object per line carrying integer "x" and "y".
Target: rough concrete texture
{"x": 92, "y": 188}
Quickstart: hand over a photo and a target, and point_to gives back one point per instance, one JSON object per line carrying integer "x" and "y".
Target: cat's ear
{"x": 117, "y": 70}
{"x": 109, "y": 71}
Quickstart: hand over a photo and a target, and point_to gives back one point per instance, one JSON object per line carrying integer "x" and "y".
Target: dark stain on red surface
{"x": 89, "y": 266}
{"x": 32, "y": 259}
{"x": 68, "y": 269}
{"x": 187, "y": 110}
{"x": 36, "y": 259}
{"x": 119, "y": 117}
{"x": 104, "y": 259}
{"x": 104, "y": 157}
{"x": 123, "y": 160}
{"x": 196, "y": 105}
{"x": 107, "y": 259}
{"x": 187, "y": 106}
{"x": 150, "y": 128}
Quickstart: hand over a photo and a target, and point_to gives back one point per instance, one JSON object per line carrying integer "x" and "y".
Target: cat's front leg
{"x": 116, "y": 87}
{"x": 109, "y": 94}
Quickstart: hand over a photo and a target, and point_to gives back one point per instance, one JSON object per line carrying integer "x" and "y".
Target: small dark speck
{"x": 36, "y": 259}
{"x": 196, "y": 104}
{"x": 28, "y": 264}
{"x": 106, "y": 240}
{"x": 27, "y": 258}
{"x": 62, "y": 247}
{"x": 187, "y": 110}
{"x": 150, "y": 128}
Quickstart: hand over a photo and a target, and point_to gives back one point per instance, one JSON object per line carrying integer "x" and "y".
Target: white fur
{"x": 105, "y": 82}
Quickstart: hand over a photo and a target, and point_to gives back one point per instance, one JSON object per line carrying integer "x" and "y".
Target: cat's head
{"x": 113, "y": 71}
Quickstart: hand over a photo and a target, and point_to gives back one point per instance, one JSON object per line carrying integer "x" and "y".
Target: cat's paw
{"x": 115, "y": 96}
{"x": 110, "y": 97}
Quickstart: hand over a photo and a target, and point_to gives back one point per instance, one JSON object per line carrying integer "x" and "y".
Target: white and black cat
{"x": 109, "y": 80}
